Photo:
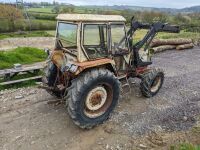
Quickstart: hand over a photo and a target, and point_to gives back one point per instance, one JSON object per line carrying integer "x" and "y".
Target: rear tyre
{"x": 152, "y": 82}
{"x": 92, "y": 97}
{"x": 50, "y": 79}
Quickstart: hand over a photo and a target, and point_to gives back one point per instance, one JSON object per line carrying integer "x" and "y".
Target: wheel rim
{"x": 156, "y": 84}
{"x": 98, "y": 101}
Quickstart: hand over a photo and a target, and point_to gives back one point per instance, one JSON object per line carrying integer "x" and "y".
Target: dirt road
{"x": 27, "y": 121}
{"x": 38, "y": 42}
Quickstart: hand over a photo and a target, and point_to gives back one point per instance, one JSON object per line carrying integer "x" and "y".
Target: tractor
{"x": 93, "y": 58}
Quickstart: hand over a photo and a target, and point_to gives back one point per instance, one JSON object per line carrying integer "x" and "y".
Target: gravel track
{"x": 37, "y": 42}
{"x": 31, "y": 123}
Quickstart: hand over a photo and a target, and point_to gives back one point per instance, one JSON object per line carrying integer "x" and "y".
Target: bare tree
{"x": 11, "y": 13}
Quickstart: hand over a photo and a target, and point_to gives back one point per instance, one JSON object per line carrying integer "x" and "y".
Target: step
{"x": 123, "y": 85}
{"x": 122, "y": 77}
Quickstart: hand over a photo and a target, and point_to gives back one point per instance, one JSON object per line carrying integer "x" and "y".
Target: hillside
{"x": 194, "y": 9}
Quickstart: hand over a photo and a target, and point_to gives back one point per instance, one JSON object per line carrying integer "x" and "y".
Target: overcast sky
{"x": 145, "y": 3}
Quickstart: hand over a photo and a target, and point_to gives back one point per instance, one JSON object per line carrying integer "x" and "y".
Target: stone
{"x": 18, "y": 97}
{"x": 107, "y": 146}
{"x": 185, "y": 118}
{"x": 142, "y": 146}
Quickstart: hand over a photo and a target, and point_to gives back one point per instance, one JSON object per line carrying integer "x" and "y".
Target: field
{"x": 22, "y": 55}
{"x": 25, "y": 25}
{"x": 42, "y": 9}
{"x": 48, "y": 9}
{"x": 26, "y": 34}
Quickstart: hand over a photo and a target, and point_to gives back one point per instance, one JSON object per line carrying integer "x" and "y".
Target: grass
{"x": 185, "y": 146}
{"x": 23, "y": 25}
{"x": 25, "y": 34}
{"x": 51, "y": 32}
{"x": 43, "y": 10}
{"x": 140, "y": 34}
{"x": 22, "y": 55}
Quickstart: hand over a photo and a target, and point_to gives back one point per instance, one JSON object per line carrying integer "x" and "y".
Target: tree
{"x": 68, "y": 9}
{"x": 151, "y": 16}
{"x": 11, "y": 13}
{"x": 56, "y": 9}
{"x": 86, "y": 11}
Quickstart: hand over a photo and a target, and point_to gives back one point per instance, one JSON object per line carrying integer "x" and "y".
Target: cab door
{"x": 119, "y": 47}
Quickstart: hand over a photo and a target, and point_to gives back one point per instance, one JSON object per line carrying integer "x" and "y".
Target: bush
{"x": 24, "y": 25}
{"x": 42, "y": 16}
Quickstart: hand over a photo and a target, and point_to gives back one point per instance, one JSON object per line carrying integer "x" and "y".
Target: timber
{"x": 163, "y": 48}
{"x": 8, "y": 74}
{"x": 185, "y": 46}
{"x": 23, "y": 69}
{"x": 21, "y": 80}
{"x": 178, "y": 41}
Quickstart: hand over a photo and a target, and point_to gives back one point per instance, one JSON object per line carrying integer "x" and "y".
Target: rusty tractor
{"x": 93, "y": 59}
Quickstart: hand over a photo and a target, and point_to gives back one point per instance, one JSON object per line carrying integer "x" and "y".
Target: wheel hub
{"x": 156, "y": 84}
{"x": 96, "y": 98}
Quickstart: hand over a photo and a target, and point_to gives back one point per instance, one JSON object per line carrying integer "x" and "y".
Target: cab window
{"x": 66, "y": 34}
{"x": 95, "y": 40}
{"x": 118, "y": 40}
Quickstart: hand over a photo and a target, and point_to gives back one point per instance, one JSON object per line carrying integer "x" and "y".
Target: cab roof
{"x": 90, "y": 18}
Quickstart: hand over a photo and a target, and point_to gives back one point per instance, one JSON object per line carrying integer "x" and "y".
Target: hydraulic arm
{"x": 145, "y": 42}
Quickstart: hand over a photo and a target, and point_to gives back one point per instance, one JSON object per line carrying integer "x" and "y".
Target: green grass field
{"x": 192, "y": 35}
{"x": 185, "y": 146}
{"x": 22, "y": 55}
{"x": 43, "y": 10}
{"x": 25, "y": 34}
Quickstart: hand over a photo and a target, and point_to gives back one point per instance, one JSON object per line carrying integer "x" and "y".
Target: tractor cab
{"x": 91, "y": 38}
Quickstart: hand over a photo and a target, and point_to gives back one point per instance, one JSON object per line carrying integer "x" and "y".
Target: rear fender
{"x": 105, "y": 62}
{"x": 59, "y": 59}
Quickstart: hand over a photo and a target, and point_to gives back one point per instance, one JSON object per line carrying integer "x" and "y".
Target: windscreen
{"x": 67, "y": 34}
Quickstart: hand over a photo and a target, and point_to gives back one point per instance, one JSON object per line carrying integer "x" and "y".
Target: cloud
{"x": 145, "y": 3}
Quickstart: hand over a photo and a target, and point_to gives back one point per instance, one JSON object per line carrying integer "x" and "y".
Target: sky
{"x": 145, "y": 3}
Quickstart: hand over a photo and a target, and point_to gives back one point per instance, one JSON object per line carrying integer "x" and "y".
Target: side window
{"x": 91, "y": 35}
{"x": 95, "y": 40}
{"x": 118, "y": 34}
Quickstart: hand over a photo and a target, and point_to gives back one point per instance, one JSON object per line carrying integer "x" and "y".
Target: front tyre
{"x": 92, "y": 97}
{"x": 152, "y": 82}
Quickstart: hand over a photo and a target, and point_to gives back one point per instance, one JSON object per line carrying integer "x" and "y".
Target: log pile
{"x": 160, "y": 45}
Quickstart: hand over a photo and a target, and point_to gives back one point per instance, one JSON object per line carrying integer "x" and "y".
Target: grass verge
{"x": 192, "y": 35}
{"x": 185, "y": 146}
{"x": 21, "y": 55}
{"x": 25, "y": 34}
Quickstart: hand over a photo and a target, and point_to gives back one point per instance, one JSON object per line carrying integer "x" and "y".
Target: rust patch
{"x": 93, "y": 63}
{"x": 58, "y": 58}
